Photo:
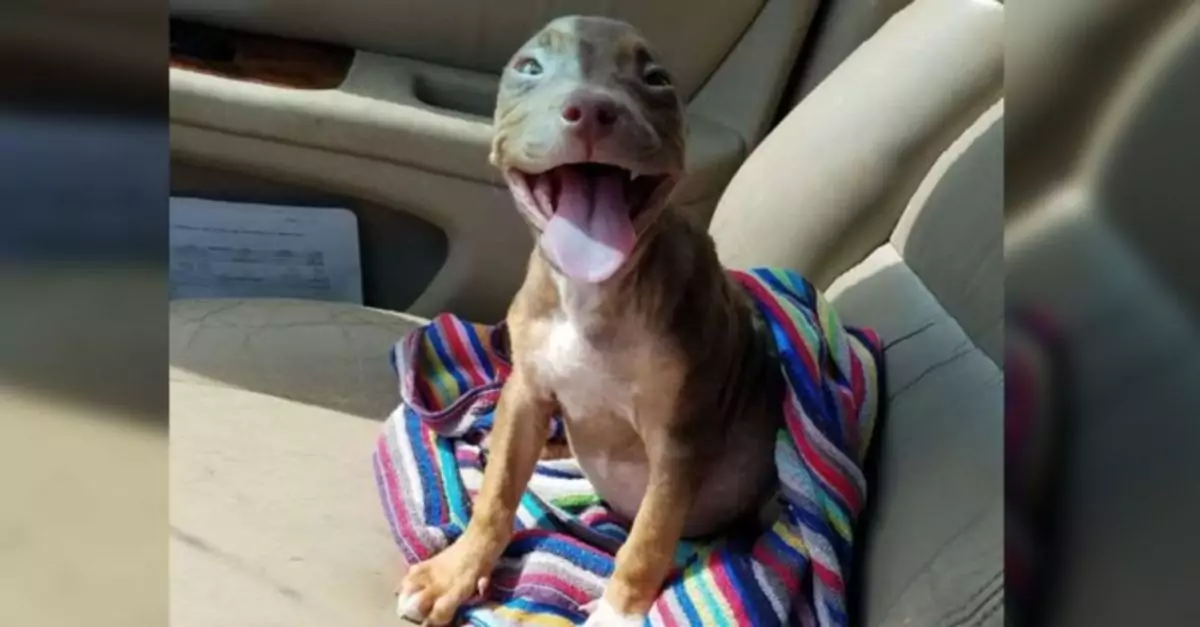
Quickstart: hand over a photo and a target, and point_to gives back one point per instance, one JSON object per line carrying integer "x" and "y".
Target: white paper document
{"x": 243, "y": 250}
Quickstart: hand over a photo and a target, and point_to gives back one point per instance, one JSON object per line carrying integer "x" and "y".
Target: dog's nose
{"x": 590, "y": 114}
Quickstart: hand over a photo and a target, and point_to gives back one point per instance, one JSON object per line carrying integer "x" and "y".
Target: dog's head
{"x": 589, "y": 134}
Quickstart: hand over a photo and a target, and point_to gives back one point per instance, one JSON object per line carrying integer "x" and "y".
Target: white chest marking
{"x": 584, "y": 379}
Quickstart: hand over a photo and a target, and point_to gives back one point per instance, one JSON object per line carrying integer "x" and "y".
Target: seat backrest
{"x": 841, "y": 26}
{"x": 693, "y": 36}
{"x": 951, "y": 233}
{"x": 828, "y": 184}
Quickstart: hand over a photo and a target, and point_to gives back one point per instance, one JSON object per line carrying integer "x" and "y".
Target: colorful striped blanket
{"x": 429, "y": 465}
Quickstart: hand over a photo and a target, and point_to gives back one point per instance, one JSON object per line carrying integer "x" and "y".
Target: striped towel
{"x": 429, "y": 465}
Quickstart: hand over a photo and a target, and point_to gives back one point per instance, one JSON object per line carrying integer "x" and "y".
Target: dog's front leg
{"x": 646, "y": 558}
{"x": 433, "y": 590}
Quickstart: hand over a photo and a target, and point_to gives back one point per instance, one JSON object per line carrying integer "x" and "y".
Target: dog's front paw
{"x": 433, "y": 590}
{"x": 603, "y": 614}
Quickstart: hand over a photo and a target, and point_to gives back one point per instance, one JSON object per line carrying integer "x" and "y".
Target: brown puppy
{"x": 626, "y": 323}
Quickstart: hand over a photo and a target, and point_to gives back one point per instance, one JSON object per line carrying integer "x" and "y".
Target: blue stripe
{"x": 777, "y": 289}
{"x": 792, "y": 362}
{"x": 541, "y": 518}
{"x": 482, "y": 355}
{"x": 812, "y": 520}
{"x": 806, "y": 291}
{"x": 439, "y": 346}
{"x": 431, "y": 482}
{"x": 814, "y": 396}
{"x": 832, "y": 423}
{"x": 685, "y": 599}
{"x": 558, "y": 474}
{"x": 456, "y": 492}
{"x": 753, "y": 597}
{"x": 557, "y": 428}
{"x": 839, "y": 617}
{"x": 796, "y": 290}
{"x": 813, "y": 400}
{"x": 591, "y": 561}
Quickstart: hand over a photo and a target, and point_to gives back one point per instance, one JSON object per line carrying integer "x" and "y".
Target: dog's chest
{"x": 588, "y": 376}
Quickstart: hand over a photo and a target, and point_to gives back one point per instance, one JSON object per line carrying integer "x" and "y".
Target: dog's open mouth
{"x": 589, "y": 209}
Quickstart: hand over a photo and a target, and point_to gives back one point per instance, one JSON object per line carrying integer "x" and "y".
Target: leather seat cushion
{"x": 275, "y": 407}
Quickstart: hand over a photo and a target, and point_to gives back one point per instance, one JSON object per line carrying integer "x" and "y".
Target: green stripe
{"x": 437, "y": 374}
{"x": 576, "y": 501}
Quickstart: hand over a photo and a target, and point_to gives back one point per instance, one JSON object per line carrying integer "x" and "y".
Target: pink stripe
{"x": 600, "y": 517}
{"x": 829, "y": 577}
{"x": 771, "y": 560}
{"x": 667, "y": 613}
{"x": 467, "y": 455}
{"x": 392, "y": 489}
{"x": 858, "y": 389}
{"x": 770, "y": 302}
{"x": 857, "y": 382}
{"x": 828, "y": 474}
{"x": 547, "y": 581}
{"x": 848, "y": 419}
{"x": 725, "y": 585}
{"x": 465, "y": 353}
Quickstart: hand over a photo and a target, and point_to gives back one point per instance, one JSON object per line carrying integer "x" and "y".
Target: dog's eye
{"x": 656, "y": 77}
{"x": 528, "y": 66}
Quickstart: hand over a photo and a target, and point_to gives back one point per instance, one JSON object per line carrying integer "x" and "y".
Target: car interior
{"x": 858, "y": 142}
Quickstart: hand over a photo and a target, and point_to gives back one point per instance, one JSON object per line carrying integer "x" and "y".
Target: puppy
{"x": 626, "y": 324}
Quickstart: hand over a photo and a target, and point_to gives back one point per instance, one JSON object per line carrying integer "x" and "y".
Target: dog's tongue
{"x": 591, "y": 233}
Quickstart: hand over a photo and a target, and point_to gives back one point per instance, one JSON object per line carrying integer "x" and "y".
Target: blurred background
{"x": 83, "y": 337}
{"x": 1102, "y": 289}
{"x": 1102, "y": 195}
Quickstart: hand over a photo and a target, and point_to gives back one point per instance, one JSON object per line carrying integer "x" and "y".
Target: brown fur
{"x": 670, "y": 324}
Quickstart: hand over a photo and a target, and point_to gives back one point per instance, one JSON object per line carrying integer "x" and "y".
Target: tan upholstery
{"x": 891, "y": 204}
{"x": 956, "y": 252}
{"x": 935, "y": 294}
{"x": 844, "y": 25}
{"x": 417, "y": 108}
{"x": 828, "y": 185}
{"x": 274, "y": 518}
